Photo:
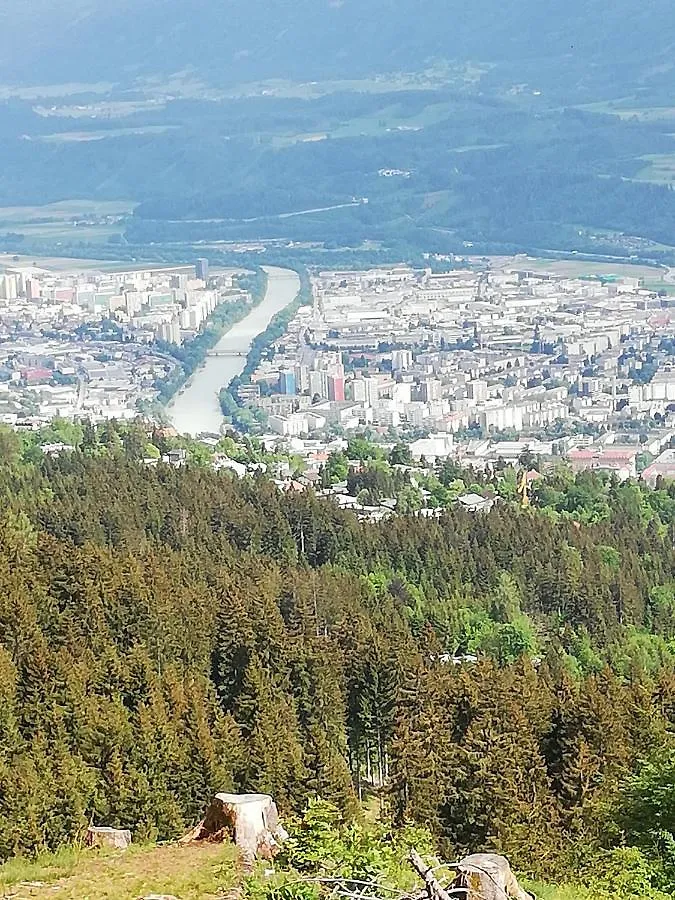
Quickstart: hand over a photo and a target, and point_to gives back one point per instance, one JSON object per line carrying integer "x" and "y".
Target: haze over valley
{"x": 525, "y": 128}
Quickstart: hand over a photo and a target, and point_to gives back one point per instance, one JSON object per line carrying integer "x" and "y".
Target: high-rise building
{"x": 180, "y": 280}
{"x": 301, "y": 378}
{"x": 318, "y": 384}
{"x": 202, "y": 269}
{"x": 175, "y": 331}
{"x": 477, "y": 390}
{"x": 430, "y": 389}
{"x": 8, "y": 287}
{"x": 401, "y": 360}
{"x": 364, "y": 390}
{"x": 170, "y": 331}
{"x": 336, "y": 388}
{"x": 401, "y": 392}
{"x": 287, "y": 382}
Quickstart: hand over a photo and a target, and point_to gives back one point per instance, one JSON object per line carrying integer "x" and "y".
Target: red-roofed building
{"x": 659, "y": 320}
{"x": 662, "y": 467}
{"x": 37, "y": 375}
{"x": 619, "y": 460}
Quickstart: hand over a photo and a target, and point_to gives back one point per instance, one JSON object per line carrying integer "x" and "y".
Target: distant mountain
{"x": 585, "y": 43}
{"x": 516, "y": 147}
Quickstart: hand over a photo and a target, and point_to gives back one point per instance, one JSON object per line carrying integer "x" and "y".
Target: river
{"x": 197, "y": 408}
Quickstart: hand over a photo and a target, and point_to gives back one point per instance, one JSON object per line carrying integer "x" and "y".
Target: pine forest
{"x": 504, "y": 679}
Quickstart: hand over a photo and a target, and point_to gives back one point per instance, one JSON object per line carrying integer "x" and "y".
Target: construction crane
{"x": 484, "y": 277}
{"x": 523, "y": 489}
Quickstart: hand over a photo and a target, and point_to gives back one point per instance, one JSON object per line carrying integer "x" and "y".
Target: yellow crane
{"x": 523, "y": 489}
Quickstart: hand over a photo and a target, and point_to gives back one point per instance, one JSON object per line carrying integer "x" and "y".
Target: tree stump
{"x": 251, "y": 821}
{"x": 117, "y": 838}
{"x": 487, "y": 876}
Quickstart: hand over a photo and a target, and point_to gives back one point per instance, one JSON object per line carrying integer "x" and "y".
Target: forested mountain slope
{"x": 233, "y": 41}
{"x": 165, "y": 633}
{"x": 528, "y": 126}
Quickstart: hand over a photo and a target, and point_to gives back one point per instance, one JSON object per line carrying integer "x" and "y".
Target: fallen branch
{"x": 435, "y": 891}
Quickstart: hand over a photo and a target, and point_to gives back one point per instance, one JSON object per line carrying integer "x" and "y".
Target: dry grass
{"x": 558, "y": 892}
{"x": 192, "y": 872}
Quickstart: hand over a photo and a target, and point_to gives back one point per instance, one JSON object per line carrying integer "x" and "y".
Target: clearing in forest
{"x": 190, "y": 872}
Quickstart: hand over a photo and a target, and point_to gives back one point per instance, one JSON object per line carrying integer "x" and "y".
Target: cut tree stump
{"x": 251, "y": 821}
{"x": 117, "y": 838}
{"x": 487, "y": 876}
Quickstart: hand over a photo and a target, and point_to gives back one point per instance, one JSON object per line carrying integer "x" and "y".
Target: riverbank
{"x": 192, "y": 355}
{"x": 251, "y": 419}
{"x": 196, "y": 408}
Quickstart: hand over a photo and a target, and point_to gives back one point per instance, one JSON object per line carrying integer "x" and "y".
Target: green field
{"x": 65, "y": 137}
{"x": 53, "y": 91}
{"x": 627, "y": 108}
{"x": 105, "y": 109}
{"x": 68, "y": 221}
{"x": 659, "y": 168}
{"x": 61, "y": 264}
{"x": 381, "y": 122}
{"x": 445, "y": 74}
{"x": 575, "y": 268}
{"x": 191, "y": 872}
{"x": 65, "y": 209}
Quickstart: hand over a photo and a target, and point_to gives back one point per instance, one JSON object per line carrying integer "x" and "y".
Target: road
{"x": 285, "y": 215}
{"x": 196, "y": 408}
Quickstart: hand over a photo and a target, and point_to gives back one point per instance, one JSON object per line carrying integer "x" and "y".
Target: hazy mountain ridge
{"x": 237, "y": 40}
{"x": 540, "y": 130}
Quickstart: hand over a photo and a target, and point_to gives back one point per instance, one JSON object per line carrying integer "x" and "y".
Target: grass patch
{"x": 625, "y": 108}
{"x": 54, "y": 222}
{"x": 48, "y": 867}
{"x": 71, "y": 137}
{"x": 65, "y": 210}
{"x": 660, "y": 168}
{"x": 191, "y": 872}
{"x": 444, "y": 74}
{"x": 664, "y": 286}
{"x": 573, "y": 268}
{"x": 383, "y": 121}
{"x": 557, "y": 892}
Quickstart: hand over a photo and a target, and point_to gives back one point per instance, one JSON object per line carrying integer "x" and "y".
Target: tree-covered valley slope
{"x": 525, "y": 126}
{"x": 583, "y": 45}
{"x": 166, "y": 633}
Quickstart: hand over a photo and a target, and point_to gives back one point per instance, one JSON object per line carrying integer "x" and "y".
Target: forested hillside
{"x": 582, "y": 45}
{"x": 168, "y": 632}
{"x": 415, "y": 127}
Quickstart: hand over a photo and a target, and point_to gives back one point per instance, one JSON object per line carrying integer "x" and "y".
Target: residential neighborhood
{"x": 479, "y": 364}
{"x": 97, "y": 345}
{"x": 488, "y": 362}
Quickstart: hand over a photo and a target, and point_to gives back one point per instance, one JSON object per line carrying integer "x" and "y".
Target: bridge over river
{"x": 196, "y": 407}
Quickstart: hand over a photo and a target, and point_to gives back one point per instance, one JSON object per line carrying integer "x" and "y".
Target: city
{"x": 337, "y": 450}
{"x": 479, "y": 365}
{"x": 482, "y": 365}
{"x": 96, "y": 346}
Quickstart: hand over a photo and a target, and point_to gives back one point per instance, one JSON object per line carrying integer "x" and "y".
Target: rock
{"x": 117, "y": 838}
{"x": 487, "y": 876}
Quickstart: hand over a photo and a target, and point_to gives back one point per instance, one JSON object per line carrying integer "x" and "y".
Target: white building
{"x": 433, "y": 448}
